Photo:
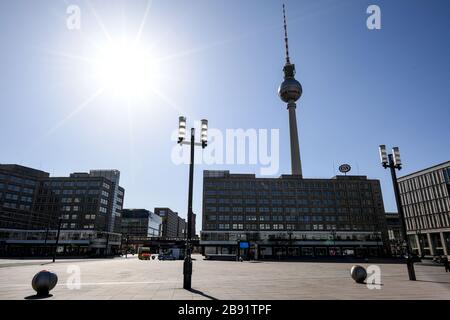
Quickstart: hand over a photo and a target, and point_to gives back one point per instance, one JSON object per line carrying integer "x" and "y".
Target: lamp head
{"x": 204, "y": 133}
{"x": 181, "y": 129}
{"x": 397, "y": 160}
{"x": 383, "y": 155}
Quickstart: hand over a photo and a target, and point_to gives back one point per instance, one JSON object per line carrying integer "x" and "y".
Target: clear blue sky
{"x": 222, "y": 60}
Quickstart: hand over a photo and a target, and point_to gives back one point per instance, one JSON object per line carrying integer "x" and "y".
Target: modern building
{"x": 173, "y": 226}
{"x": 292, "y": 217}
{"x": 394, "y": 233}
{"x": 140, "y": 223}
{"x": 86, "y": 207}
{"x": 425, "y": 197}
{"x": 19, "y": 188}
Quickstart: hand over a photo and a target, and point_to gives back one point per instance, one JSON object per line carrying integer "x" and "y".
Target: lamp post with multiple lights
{"x": 393, "y": 162}
{"x": 187, "y": 266}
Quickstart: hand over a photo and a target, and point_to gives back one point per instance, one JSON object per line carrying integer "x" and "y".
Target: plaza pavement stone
{"x": 132, "y": 279}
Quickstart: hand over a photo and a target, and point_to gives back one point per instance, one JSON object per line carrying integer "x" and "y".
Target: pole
{"x": 187, "y": 266}
{"x": 45, "y": 241}
{"x": 409, "y": 261}
{"x": 57, "y": 239}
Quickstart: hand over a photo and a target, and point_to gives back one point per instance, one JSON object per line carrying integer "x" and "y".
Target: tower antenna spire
{"x": 286, "y": 36}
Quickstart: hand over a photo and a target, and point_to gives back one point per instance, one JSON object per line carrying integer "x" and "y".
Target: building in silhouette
{"x": 173, "y": 226}
{"x": 86, "y": 206}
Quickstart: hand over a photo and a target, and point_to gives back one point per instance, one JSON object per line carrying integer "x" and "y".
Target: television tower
{"x": 290, "y": 91}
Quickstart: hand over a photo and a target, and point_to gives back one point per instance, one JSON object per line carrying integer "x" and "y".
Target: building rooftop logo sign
{"x": 344, "y": 168}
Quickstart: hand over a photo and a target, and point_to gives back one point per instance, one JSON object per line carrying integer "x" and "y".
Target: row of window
{"x": 15, "y": 188}
{"x": 17, "y": 180}
{"x": 275, "y": 218}
{"x": 15, "y": 197}
{"x": 427, "y": 207}
{"x": 70, "y": 192}
{"x": 274, "y": 185}
{"x": 344, "y": 210}
{"x": 431, "y": 221}
{"x": 300, "y": 194}
{"x": 74, "y": 226}
{"x": 74, "y": 216}
{"x": 13, "y": 205}
{"x": 302, "y": 202}
{"x": 431, "y": 193}
{"x": 424, "y": 181}
{"x": 281, "y": 226}
{"x": 75, "y": 184}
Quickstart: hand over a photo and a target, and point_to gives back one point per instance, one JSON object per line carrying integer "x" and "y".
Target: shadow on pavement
{"x": 38, "y": 297}
{"x": 202, "y": 294}
{"x": 443, "y": 282}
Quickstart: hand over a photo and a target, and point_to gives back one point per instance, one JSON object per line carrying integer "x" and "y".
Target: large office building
{"x": 140, "y": 224}
{"x": 173, "y": 226}
{"x": 292, "y": 217}
{"x": 425, "y": 197}
{"x": 86, "y": 207}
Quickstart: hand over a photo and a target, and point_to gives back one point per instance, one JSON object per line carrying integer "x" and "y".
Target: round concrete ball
{"x": 358, "y": 273}
{"x": 44, "y": 281}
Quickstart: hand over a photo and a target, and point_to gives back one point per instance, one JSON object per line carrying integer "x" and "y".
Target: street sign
{"x": 243, "y": 245}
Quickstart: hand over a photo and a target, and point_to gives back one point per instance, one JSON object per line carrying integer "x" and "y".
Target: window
{"x": 103, "y": 210}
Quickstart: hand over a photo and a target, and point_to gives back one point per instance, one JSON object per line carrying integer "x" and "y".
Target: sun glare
{"x": 125, "y": 70}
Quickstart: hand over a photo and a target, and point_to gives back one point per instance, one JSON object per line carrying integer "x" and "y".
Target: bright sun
{"x": 126, "y": 70}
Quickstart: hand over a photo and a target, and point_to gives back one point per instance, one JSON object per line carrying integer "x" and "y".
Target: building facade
{"x": 173, "y": 226}
{"x": 19, "y": 188}
{"x": 426, "y": 204}
{"x": 86, "y": 206}
{"x": 140, "y": 223}
{"x": 292, "y": 217}
{"x": 395, "y": 237}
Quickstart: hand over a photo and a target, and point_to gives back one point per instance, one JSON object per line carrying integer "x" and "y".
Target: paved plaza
{"x": 131, "y": 278}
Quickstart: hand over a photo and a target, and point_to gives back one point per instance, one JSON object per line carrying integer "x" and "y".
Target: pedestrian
{"x": 446, "y": 264}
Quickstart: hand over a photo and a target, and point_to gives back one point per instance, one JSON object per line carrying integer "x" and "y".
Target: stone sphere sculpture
{"x": 358, "y": 273}
{"x": 43, "y": 282}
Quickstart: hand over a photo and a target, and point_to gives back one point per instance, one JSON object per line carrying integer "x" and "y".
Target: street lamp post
{"x": 187, "y": 265}
{"x": 57, "y": 239}
{"x": 393, "y": 162}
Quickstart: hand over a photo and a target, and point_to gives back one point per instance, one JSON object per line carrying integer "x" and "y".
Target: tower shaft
{"x": 296, "y": 165}
{"x": 290, "y": 91}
